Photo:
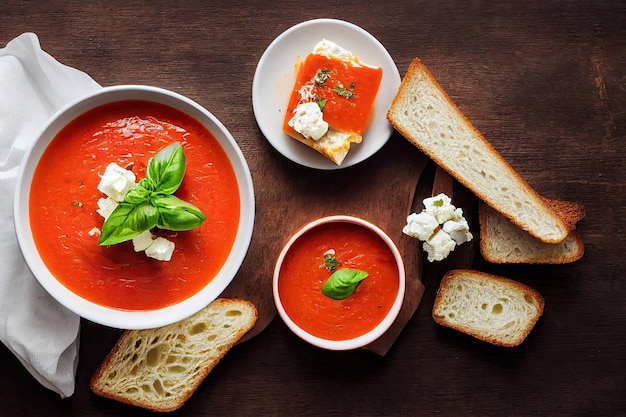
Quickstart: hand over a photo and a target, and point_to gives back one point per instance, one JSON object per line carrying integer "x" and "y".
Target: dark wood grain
{"x": 545, "y": 82}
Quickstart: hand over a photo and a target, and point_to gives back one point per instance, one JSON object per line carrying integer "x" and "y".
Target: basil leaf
{"x": 343, "y": 282}
{"x": 176, "y": 214}
{"x": 148, "y": 184}
{"x": 137, "y": 194}
{"x": 166, "y": 169}
{"x": 127, "y": 221}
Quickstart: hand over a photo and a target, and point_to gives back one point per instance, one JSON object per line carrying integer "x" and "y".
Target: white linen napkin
{"x": 42, "y": 334}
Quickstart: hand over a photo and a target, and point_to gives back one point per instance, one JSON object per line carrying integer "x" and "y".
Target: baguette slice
{"x": 426, "y": 116}
{"x": 488, "y": 307}
{"x": 502, "y": 242}
{"x": 159, "y": 369}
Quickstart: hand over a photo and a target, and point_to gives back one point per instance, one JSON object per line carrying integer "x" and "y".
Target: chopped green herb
{"x": 321, "y": 103}
{"x": 438, "y": 203}
{"x": 321, "y": 76}
{"x": 331, "y": 263}
{"x": 341, "y": 91}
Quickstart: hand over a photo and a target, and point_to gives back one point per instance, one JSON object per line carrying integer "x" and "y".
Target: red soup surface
{"x": 64, "y": 196}
{"x": 303, "y": 274}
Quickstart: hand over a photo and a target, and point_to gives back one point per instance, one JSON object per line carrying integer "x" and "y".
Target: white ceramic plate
{"x": 275, "y": 76}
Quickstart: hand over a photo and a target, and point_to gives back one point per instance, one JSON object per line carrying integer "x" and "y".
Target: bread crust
{"x": 416, "y": 69}
{"x": 507, "y": 286}
{"x": 116, "y": 359}
{"x": 502, "y": 242}
{"x": 334, "y": 145}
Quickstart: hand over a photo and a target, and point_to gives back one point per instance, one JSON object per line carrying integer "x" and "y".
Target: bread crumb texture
{"x": 160, "y": 368}
{"x": 488, "y": 307}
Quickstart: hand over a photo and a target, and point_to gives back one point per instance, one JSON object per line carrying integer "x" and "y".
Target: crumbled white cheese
{"x": 106, "y": 207}
{"x": 94, "y": 232}
{"x": 308, "y": 120}
{"x": 458, "y": 230}
{"x": 160, "y": 249}
{"x": 330, "y": 49}
{"x": 142, "y": 241}
{"x": 420, "y": 225}
{"x": 439, "y": 246}
{"x": 116, "y": 181}
{"x": 441, "y": 226}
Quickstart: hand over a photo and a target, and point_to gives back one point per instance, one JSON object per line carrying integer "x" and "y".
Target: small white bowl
{"x": 124, "y": 319}
{"x": 376, "y": 332}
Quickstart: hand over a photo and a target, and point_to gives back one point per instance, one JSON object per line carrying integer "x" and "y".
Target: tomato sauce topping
{"x": 303, "y": 274}
{"x": 347, "y": 93}
{"x": 64, "y": 199}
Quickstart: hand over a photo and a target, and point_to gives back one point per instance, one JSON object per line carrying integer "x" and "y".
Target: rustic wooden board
{"x": 379, "y": 190}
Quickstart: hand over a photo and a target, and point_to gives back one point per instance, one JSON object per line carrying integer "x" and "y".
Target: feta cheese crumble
{"x": 308, "y": 120}
{"x": 441, "y": 226}
{"x": 116, "y": 181}
{"x": 160, "y": 249}
{"x": 106, "y": 207}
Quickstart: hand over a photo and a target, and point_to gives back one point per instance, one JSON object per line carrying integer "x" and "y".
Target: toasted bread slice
{"x": 159, "y": 369}
{"x": 488, "y": 307}
{"x": 426, "y": 116}
{"x": 502, "y": 242}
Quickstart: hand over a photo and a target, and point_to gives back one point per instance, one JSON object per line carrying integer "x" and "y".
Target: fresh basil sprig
{"x": 150, "y": 203}
{"x": 343, "y": 282}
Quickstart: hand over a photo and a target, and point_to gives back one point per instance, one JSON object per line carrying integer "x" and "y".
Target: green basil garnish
{"x": 177, "y": 214}
{"x": 343, "y": 282}
{"x": 167, "y": 169}
{"x": 331, "y": 263}
{"x": 150, "y": 203}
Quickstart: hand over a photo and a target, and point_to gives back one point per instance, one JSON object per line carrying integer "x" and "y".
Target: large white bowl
{"x": 383, "y": 325}
{"x": 123, "y": 319}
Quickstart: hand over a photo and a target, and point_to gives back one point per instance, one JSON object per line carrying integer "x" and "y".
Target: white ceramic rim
{"x": 366, "y": 338}
{"x": 125, "y": 319}
{"x": 274, "y": 78}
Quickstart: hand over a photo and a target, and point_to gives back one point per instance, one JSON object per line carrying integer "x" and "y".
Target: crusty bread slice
{"x": 488, "y": 307}
{"x": 426, "y": 116}
{"x": 502, "y": 242}
{"x": 159, "y": 369}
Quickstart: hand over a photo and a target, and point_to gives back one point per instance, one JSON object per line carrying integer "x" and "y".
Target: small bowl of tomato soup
{"x": 179, "y": 177}
{"x": 339, "y": 283}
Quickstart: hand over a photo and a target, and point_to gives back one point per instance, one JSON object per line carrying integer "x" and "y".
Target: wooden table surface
{"x": 544, "y": 81}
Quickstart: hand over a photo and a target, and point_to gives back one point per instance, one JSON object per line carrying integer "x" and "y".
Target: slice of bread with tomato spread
{"x": 332, "y": 100}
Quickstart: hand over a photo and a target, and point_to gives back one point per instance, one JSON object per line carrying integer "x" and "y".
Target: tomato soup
{"x": 303, "y": 273}
{"x": 64, "y": 196}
